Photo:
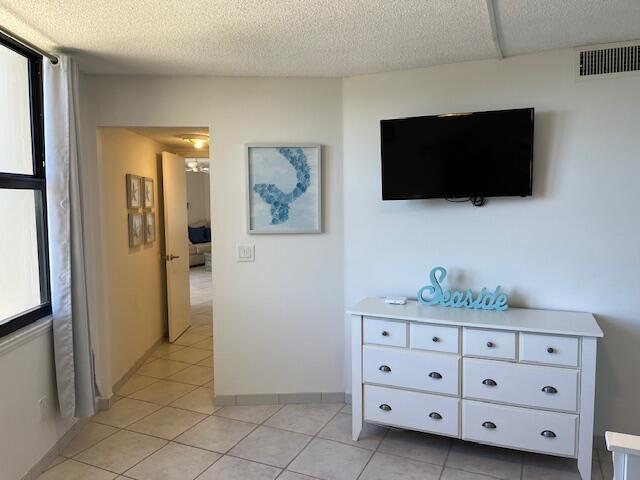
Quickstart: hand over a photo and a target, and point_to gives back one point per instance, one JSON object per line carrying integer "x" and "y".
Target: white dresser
{"x": 522, "y": 379}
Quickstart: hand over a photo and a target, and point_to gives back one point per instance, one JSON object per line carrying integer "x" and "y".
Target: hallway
{"x": 201, "y": 294}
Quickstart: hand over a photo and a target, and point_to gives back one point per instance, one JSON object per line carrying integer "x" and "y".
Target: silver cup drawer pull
{"x": 435, "y": 375}
{"x": 489, "y": 425}
{"x": 435, "y": 416}
{"x": 549, "y": 389}
{"x": 489, "y": 382}
{"x": 385, "y": 408}
{"x": 385, "y": 368}
{"x": 548, "y": 434}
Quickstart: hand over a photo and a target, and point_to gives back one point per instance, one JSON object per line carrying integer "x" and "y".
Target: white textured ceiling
{"x": 307, "y": 37}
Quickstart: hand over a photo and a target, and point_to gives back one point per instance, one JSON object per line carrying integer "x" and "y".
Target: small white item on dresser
{"x": 395, "y": 300}
{"x": 521, "y": 378}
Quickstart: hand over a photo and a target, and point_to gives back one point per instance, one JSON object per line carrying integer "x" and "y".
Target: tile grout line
{"x": 174, "y": 381}
{"x": 263, "y": 424}
{"x": 166, "y": 357}
{"x": 366, "y": 464}
{"x": 444, "y": 465}
{"x": 522, "y": 467}
{"x": 90, "y": 465}
{"x": 446, "y": 458}
{"x": 411, "y": 458}
{"x": 600, "y": 463}
{"x": 386, "y": 433}
{"x": 214, "y": 462}
{"x": 121, "y": 429}
{"x": 125, "y": 428}
{"x": 93, "y": 444}
{"x": 137, "y": 390}
{"x": 143, "y": 459}
{"x": 313, "y": 437}
{"x": 167, "y": 442}
{"x": 256, "y": 425}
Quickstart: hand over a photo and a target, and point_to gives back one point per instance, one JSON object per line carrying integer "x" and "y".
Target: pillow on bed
{"x": 198, "y": 235}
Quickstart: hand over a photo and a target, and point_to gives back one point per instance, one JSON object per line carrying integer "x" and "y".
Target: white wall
{"x": 27, "y": 375}
{"x": 278, "y": 321}
{"x": 198, "y": 187}
{"x": 572, "y": 246}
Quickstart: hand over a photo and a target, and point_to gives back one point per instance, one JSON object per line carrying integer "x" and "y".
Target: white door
{"x": 176, "y": 245}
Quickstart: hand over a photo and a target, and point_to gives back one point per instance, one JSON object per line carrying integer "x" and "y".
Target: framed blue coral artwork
{"x": 284, "y": 188}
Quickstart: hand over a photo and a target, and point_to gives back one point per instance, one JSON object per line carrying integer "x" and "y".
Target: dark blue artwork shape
{"x": 275, "y": 197}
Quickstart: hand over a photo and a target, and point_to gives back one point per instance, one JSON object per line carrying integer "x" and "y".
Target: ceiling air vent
{"x": 608, "y": 61}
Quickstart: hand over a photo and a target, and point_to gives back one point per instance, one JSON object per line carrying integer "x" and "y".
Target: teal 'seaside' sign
{"x": 435, "y": 295}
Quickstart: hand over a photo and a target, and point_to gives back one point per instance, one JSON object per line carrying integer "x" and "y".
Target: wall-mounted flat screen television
{"x": 475, "y": 155}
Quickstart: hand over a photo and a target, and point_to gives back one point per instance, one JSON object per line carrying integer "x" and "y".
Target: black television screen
{"x": 483, "y": 154}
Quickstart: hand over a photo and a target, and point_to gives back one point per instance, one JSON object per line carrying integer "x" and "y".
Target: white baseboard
{"x": 102, "y": 403}
{"x": 138, "y": 363}
{"x": 279, "y": 398}
{"x": 55, "y": 450}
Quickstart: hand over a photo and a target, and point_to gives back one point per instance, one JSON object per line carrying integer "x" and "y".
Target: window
{"x": 24, "y": 251}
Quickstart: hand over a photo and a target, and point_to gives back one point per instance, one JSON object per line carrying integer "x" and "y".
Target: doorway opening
{"x": 159, "y": 276}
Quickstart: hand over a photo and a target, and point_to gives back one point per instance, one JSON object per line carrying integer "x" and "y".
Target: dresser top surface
{"x": 520, "y": 319}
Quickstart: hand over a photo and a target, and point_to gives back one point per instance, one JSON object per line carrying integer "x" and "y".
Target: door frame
{"x": 94, "y": 224}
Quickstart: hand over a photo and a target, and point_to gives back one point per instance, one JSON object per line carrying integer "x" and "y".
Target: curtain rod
{"x": 52, "y": 58}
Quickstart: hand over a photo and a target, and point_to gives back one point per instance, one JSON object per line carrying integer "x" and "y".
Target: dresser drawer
{"x": 434, "y": 337}
{"x": 417, "y": 411}
{"x": 527, "y": 385}
{"x": 489, "y": 343}
{"x": 385, "y": 332}
{"x": 551, "y": 349}
{"x": 432, "y": 372}
{"x": 520, "y": 428}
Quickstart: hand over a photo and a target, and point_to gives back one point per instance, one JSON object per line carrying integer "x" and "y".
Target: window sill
{"x": 25, "y": 335}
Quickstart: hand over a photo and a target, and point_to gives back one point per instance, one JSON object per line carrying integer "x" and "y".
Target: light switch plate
{"x": 246, "y": 253}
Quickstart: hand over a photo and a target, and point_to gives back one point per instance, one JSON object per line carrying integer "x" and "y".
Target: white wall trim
{"x": 43, "y": 464}
{"x": 134, "y": 368}
{"x": 25, "y": 335}
{"x": 279, "y": 398}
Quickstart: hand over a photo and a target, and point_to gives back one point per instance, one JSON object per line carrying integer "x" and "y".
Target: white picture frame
{"x": 134, "y": 200}
{"x": 148, "y": 197}
{"x": 149, "y": 227}
{"x": 135, "y": 230}
{"x": 284, "y": 188}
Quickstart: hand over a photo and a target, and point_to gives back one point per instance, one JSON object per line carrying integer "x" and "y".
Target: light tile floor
{"x": 164, "y": 426}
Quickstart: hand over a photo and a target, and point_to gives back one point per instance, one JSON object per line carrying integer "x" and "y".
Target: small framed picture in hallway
{"x": 135, "y": 230}
{"x": 284, "y": 188}
{"x": 147, "y": 192}
{"x": 134, "y": 199}
{"x": 149, "y": 227}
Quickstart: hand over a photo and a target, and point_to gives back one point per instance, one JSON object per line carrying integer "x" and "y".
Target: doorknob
{"x": 170, "y": 257}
